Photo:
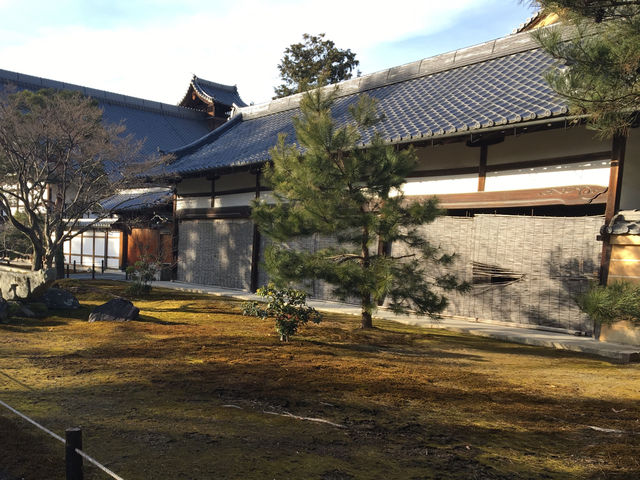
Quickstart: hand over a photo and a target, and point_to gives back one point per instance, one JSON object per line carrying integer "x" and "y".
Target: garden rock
{"x": 18, "y": 309}
{"x": 57, "y": 298}
{"x": 21, "y": 284}
{"x": 115, "y": 310}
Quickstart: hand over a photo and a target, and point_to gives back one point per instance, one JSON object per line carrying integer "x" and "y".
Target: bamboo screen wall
{"x": 525, "y": 270}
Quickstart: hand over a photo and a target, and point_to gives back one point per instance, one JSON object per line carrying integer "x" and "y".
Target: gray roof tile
{"x": 452, "y": 97}
{"x": 138, "y": 199}
{"x": 164, "y": 126}
{"x": 626, "y": 222}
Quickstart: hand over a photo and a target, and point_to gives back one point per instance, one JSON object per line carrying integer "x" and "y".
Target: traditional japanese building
{"x": 215, "y": 99}
{"x": 527, "y": 187}
{"x": 144, "y": 216}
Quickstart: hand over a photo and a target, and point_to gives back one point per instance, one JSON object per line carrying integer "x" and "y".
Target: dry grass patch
{"x": 191, "y": 391}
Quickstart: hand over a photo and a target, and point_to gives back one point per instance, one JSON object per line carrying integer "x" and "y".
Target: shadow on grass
{"x": 163, "y": 420}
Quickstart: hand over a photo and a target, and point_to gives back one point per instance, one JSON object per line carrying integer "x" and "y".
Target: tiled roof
{"x": 164, "y": 126}
{"x": 625, "y": 222}
{"x": 138, "y": 199}
{"x": 498, "y": 83}
{"x": 216, "y": 92}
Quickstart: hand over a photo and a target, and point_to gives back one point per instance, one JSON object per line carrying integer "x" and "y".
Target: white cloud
{"x": 240, "y": 42}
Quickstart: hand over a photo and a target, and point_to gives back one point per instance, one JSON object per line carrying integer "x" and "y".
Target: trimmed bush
{"x": 287, "y": 306}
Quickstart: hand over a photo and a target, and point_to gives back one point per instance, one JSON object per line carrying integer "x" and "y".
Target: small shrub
{"x": 287, "y": 306}
{"x": 606, "y": 304}
{"x": 142, "y": 273}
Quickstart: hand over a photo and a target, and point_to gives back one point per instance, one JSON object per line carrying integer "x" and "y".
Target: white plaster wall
{"x": 547, "y": 144}
{"x": 589, "y": 173}
{"x": 630, "y": 194}
{"x": 193, "y": 202}
{"x": 441, "y": 185}
{"x": 234, "y": 200}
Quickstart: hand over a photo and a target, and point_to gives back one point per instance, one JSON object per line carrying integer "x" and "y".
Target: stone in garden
{"x": 115, "y": 310}
{"x": 57, "y": 298}
{"x": 18, "y": 309}
{"x": 20, "y": 284}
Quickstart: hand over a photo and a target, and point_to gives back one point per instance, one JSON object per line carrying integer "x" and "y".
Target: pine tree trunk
{"x": 365, "y": 299}
{"x": 367, "y": 321}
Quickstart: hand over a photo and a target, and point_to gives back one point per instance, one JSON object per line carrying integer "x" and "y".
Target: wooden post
{"x": 174, "y": 236}
{"x": 255, "y": 245}
{"x": 618, "y": 148}
{"x": 73, "y": 460}
{"x": 482, "y": 170}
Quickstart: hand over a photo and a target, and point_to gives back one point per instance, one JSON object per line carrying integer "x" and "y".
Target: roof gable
{"x": 209, "y": 93}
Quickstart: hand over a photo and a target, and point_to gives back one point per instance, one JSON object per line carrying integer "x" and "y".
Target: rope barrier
{"x": 60, "y": 439}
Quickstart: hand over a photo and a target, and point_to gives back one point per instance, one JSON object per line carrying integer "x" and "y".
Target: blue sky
{"x": 150, "y": 49}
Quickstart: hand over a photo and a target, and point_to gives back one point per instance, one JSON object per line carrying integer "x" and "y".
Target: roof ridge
{"x": 482, "y": 52}
{"x": 229, "y": 88}
{"x": 205, "y": 139}
{"x": 8, "y": 76}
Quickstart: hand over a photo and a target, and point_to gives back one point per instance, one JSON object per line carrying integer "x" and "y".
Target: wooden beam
{"x": 174, "y": 239}
{"x": 255, "y": 245}
{"x": 500, "y": 167}
{"x": 618, "y": 149}
{"x": 549, "y": 162}
{"x": 220, "y": 212}
{"x": 482, "y": 170}
{"x": 535, "y": 197}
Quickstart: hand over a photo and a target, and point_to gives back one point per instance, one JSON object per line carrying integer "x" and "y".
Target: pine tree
{"x": 313, "y": 63}
{"x": 329, "y": 185}
{"x": 602, "y": 78}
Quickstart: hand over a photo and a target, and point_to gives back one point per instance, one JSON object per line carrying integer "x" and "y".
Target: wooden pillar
{"x": 174, "y": 237}
{"x": 213, "y": 190}
{"x": 255, "y": 246}
{"x": 618, "y": 149}
{"x": 482, "y": 170}
{"x": 124, "y": 249}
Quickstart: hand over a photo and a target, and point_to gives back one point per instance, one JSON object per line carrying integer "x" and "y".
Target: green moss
{"x": 189, "y": 391}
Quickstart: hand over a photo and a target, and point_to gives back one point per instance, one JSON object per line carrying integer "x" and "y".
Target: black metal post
{"x": 73, "y": 460}
{"x": 101, "y": 266}
{"x": 67, "y": 270}
{"x": 74, "y": 266}
{"x": 93, "y": 271}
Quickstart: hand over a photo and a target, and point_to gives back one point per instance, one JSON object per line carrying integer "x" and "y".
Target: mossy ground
{"x": 188, "y": 392}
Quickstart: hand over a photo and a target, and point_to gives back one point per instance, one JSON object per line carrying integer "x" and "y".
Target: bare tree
{"x": 58, "y": 160}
